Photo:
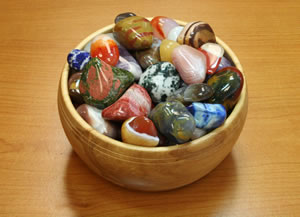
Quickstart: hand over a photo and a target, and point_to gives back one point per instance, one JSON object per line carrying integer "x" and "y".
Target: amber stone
{"x": 166, "y": 49}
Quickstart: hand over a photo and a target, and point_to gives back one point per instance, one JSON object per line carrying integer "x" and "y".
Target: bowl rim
{"x": 191, "y": 144}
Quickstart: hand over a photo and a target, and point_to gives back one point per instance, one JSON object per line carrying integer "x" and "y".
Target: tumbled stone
{"x": 123, "y": 16}
{"x": 93, "y": 117}
{"x": 214, "y": 53}
{"x": 106, "y": 49}
{"x": 160, "y": 80}
{"x": 134, "y": 102}
{"x": 207, "y": 116}
{"x": 190, "y": 63}
{"x": 73, "y": 85}
{"x": 166, "y": 49}
{"x": 134, "y": 33}
{"x": 227, "y": 85}
{"x": 192, "y": 93}
{"x": 149, "y": 56}
{"x": 224, "y": 63}
{"x": 77, "y": 59}
{"x": 101, "y": 84}
{"x": 174, "y": 121}
{"x": 198, "y": 133}
{"x": 195, "y": 34}
{"x": 174, "y": 33}
{"x": 139, "y": 131}
{"x": 162, "y": 26}
{"x": 128, "y": 62}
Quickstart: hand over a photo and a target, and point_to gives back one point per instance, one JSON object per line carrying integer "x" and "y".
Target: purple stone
{"x": 224, "y": 63}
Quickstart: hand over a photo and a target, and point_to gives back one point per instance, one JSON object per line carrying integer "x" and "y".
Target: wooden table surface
{"x": 41, "y": 176}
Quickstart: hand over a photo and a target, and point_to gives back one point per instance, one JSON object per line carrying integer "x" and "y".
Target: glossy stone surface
{"x": 196, "y": 33}
{"x": 162, "y": 26}
{"x": 101, "y": 84}
{"x": 207, "y": 116}
{"x": 166, "y": 49}
{"x": 106, "y": 49}
{"x": 192, "y": 93}
{"x": 93, "y": 117}
{"x": 227, "y": 85}
{"x": 135, "y": 33}
{"x": 197, "y": 92}
{"x": 190, "y": 63}
{"x": 160, "y": 80}
{"x": 198, "y": 133}
{"x": 73, "y": 85}
{"x": 214, "y": 53}
{"x": 77, "y": 59}
{"x": 128, "y": 62}
{"x": 134, "y": 102}
{"x": 149, "y": 56}
{"x": 139, "y": 131}
{"x": 224, "y": 63}
{"x": 174, "y": 121}
{"x": 174, "y": 33}
{"x": 123, "y": 16}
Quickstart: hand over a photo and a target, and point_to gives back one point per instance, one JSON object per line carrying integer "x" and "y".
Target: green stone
{"x": 101, "y": 84}
{"x": 192, "y": 93}
{"x": 225, "y": 85}
{"x": 174, "y": 121}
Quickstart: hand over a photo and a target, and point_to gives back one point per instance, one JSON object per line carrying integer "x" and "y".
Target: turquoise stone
{"x": 207, "y": 116}
{"x": 227, "y": 85}
{"x": 160, "y": 80}
{"x": 174, "y": 121}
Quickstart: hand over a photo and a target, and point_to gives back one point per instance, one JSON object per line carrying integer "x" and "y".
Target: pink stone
{"x": 135, "y": 102}
{"x": 162, "y": 26}
{"x": 190, "y": 63}
{"x": 214, "y": 53}
{"x": 93, "y": 117}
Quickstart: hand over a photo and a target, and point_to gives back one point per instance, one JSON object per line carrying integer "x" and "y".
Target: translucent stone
{"x": 166, "y": 49}
{"x": 190, "y": 63}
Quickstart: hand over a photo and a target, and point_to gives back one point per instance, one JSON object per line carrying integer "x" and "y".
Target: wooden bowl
{"x": 149, "y": 168}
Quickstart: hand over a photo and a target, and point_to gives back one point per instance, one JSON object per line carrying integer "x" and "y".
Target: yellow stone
{"x": 166, "y": 48}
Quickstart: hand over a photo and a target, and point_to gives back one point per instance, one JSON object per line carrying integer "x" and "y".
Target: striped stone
{"x": 134, "y": 33}
{"x": 196, "y": 33}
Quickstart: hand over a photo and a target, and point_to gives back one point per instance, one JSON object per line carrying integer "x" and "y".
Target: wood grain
{"x": 41, "y": 176}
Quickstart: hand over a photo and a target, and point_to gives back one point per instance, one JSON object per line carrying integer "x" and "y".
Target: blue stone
{"x": 77, "y": 59}
{"x": 207, "y": 116}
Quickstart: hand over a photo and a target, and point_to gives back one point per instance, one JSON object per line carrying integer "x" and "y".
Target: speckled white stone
{"x": 160, "y": 80}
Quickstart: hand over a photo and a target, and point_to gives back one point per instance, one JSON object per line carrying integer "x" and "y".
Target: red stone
{"x": 142, "y": 124}
{"x": 106, "y": 49}
{"x": 99, "y": 83}
{"x": 135, "y": 102}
